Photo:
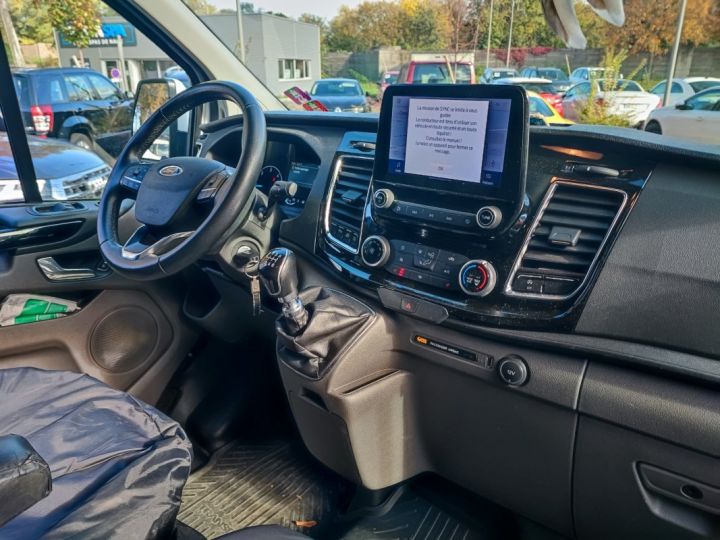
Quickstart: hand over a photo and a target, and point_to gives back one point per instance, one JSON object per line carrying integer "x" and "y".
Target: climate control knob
{"x": 488, "y": 217}
{"x": 375, "y": 251}
{"x": 383, "y": 198}
{"x": 477, "y": 277}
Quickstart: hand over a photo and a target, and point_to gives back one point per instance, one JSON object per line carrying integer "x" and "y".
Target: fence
{"x": 702, "y": 61}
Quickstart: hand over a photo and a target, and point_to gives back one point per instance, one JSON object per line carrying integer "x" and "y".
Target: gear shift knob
{"x": 278, "y": 273}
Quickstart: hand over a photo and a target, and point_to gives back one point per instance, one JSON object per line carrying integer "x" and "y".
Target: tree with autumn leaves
{"x": 77, "y": 20}
{"x": 462, "y": 24}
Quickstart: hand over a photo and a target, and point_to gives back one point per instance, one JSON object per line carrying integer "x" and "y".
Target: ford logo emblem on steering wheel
{"x": 170, "y": 170}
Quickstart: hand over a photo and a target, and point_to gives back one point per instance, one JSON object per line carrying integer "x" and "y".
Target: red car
{"x": 387, "y": 78}
{"x": 543, "y": 87}
{"x": 430, "y": 68}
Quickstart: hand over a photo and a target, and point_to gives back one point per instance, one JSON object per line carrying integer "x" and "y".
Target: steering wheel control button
{"x": 375, "y": 251}
{"x": 513, "y": 370}
{"x": 477, "y": 277}
{"x": 132, "y": 179}
{"x": 211, "y": 187}
{"x": 383, "y": 198}
{"x": 488, "y": 217}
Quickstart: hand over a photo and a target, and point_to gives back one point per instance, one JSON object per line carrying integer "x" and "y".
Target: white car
{"x": 697, "y": 118}
{"x": 683, "y": 89}
{"x": 627, "y": 99}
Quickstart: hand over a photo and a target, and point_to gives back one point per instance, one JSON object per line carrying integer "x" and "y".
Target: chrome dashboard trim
{"x": 508, "y": 290}
{"x": 328, "y": 206}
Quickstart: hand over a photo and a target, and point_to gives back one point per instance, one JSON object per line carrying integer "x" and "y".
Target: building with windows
{"x": 281, "y": 52}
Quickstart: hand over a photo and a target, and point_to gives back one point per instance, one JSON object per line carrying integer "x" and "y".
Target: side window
{"x": 49, "y": 89}
{"x": 570, "y": 93}
{"x": 79, "y": 88}
{"x": 659, "y": 90}
{"x": 104, "y": 88}
{"x": 583, "y": 89}
{"x": 676, "y": 88}
{"x": 703, "y": 102}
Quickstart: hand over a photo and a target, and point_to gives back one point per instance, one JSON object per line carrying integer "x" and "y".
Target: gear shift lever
{"x": 278, "y": 273}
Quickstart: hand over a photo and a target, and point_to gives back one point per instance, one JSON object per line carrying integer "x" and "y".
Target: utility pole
{"x": 121, "y": 63}
{"x": 489, "y": 40}
{"x": 16, "y": 54}
{"x": 512, "y": 19}
{"x": 674, "y": 54}
{"x": 241, "y": 35}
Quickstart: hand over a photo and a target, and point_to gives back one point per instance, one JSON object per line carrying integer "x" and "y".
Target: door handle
{"x": 53, "y": 271}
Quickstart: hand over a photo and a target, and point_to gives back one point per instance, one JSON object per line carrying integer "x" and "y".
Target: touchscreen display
{"x": 461, "y": 139}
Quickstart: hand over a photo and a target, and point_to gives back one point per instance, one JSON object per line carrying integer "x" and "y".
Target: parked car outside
{"x": 626, "y": 98}
{"x": 684, "y": 88}
{"x": 386, "y": 79}
{"x": 586, "y": 73}
{"x": 556, "y": 76}
{"x": 64, "y": 171}
{"x": 697, "y": 118}
{"x": 491, "y": 74}
{"x": 76, "y": 104}
{"x": 178, "y": 73}
{"x": 430, "y": 68}
{"x": 544, "y": 87}
{"x": 541, "y": 108}
{"x": 340, "y": 95}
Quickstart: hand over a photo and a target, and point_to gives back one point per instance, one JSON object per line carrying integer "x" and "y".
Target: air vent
{"x": 565, "y": 240}
{"x": 348, "y": 196}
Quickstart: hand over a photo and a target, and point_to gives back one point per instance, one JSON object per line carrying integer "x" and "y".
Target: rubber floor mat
{"x": 243, "y": 486}
{"x": 412, "y": 518}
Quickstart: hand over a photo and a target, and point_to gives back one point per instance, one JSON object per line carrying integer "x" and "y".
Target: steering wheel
{"x": 186, "y": 205}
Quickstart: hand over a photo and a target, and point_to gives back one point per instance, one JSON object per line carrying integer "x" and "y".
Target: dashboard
{"x": 543, "y": 289}
{"x": 572, "y": 312}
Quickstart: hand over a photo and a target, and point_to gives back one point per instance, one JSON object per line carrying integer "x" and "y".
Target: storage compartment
{"x": 635, "y": 476}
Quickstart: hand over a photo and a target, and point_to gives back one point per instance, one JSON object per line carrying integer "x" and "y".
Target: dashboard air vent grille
{"x": 345, "y": 210}
{"x": 565, "y": 240}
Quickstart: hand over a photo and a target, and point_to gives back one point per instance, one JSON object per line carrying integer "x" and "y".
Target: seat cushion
{"x": 263, "y": 532}
{"x": 118, "y": 465}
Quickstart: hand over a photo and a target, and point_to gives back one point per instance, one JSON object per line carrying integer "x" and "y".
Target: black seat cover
{"x": 118, "y": 465}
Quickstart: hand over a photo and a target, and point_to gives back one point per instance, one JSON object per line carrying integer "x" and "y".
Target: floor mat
{"x": 243, "y": 486}
{"x": 412, "y": 518}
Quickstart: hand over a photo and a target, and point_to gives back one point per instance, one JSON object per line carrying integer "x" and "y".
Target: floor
{"x": 245, "y": 485}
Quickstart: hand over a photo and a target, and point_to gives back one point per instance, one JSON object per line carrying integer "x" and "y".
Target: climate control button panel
{"x": 425, "y": 264}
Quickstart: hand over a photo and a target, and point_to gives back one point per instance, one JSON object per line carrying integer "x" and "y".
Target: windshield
{"x": 699, "y": 86}
{"x": 552, "y": 74}
{"x": 538, "y": 106}
{"x": 440, "y": 73}
{"x": 503, "y": 74}
{"x": 336, "y": 88}
{"x": 296, "y": 50}
{"x": 390, "y": 78}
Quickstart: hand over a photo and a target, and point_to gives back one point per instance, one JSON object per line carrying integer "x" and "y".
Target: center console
{"x": 436, "y": 216}
{"x": 448, "y": 161}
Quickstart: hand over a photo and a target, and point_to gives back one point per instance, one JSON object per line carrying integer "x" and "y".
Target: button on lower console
{"x": 477, "y": 277}
{"x": 513, "y": 370}
{"x": 528, "y": 284}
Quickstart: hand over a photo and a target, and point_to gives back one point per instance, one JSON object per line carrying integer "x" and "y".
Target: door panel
{"x": 127, "y": 334}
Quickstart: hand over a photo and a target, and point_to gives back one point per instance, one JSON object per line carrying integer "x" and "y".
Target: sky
{"x": 294, "y": 8}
